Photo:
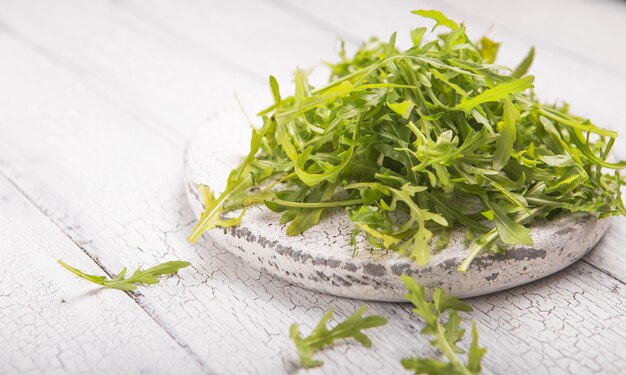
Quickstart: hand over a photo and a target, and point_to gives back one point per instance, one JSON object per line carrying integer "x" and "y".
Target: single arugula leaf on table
{"x": 321, "y": 336}
{"x": 446, "y": 334}
{"x": 147, "y": 276}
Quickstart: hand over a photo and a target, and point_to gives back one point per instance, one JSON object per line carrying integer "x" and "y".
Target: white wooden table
{"x": 97, "y": 100}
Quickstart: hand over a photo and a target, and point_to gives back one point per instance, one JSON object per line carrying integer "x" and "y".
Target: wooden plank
{"x": 129, "y": 62}
{"x": 556, "y": 325}
{"x": 584, "y": 29}
{"x": 52, "y": 322}
{"x": 136, "y": 57}
{"x": 609, "y": 254}
{"x": 576, "y": 29}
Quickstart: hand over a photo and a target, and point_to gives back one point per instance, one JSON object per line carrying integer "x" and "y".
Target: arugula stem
{"x": 447, "y": 350}
{"x": 285, "y": 203}
{"x": 279, "y": 181}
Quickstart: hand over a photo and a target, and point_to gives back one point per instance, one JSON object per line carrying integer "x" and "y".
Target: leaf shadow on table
{"x": 77, "y": 298}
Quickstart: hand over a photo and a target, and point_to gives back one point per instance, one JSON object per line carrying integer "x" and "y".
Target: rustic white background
{"x": 97, "y": 101}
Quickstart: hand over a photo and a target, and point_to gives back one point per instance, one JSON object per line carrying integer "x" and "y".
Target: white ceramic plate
{"x": 322, "y": 259}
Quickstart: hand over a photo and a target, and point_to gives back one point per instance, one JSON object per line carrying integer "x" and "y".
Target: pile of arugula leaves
{"x": 414, "y": 143}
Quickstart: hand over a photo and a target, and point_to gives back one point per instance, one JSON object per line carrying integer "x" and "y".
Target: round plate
{"x": 323, "y": 260}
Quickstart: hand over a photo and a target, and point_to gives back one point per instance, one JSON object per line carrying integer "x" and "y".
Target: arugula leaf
{"x": 275, "y": 90}
{"x": 437, "y": 16}
{"x": 213, "y": 208}
{"x": 488, "y": 50}
{"x": 446, "y": 334}
{"x": 476, "y": 353}
{"x": 509, "y": 230}
{"x": 328, "y": 172}
{"x": 504, "y": 144}
{"x": 321, "y": 336}
{"x": 523, "y": 67}
{"x": 428, "y": 366}
{"x": 148, "y": 276}
{"x": 496, "y": 93}
{"x": 403, "y": 109}
{"x": 305, "y": 218}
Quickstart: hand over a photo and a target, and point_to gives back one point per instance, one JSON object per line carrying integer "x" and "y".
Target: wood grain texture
{"x": 609, "y": 254}
{"x": 569, "y": 323}
{"x": 138, "y": 54}
{"x": 52, "y": 322}
{"x": 100, "y": 103}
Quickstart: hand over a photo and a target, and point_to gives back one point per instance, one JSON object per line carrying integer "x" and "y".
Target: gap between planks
{"x": 133, "y": 296}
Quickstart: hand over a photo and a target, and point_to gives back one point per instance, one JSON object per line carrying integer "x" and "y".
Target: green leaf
{"x": 507, "y": 137}
{"x": 417, "y": 296}
{"x": 452, "y": 333}
{"x": 488, "y": 214}
{"x": 330, "y": 172}
{"x": 302, "y": 88}
{"x": 439, "y": 17}
{"x": 421, "y": 248}
{"x": 92, "y": 278}
{"x": 148, "y": 276}
{"x": 308, "y": 217}
{"x": 488, "y": 50}
{"x": 417, "y": 35}
{"x": 476, "y": 353}
{"x": 428, "y": 366}
{"x": 376, "y": 225}
{"x": 509, "y": 230}
{"x": 275, "y": 90}
{"x": 523, "y": 67}
{"x": 322, "y": 336}
{"x": 213, "y": 208}
{"x": 496, "y": 93}
{"x": 284, "y": 139}
{"x": 373, "y": 217}
{"x": 444, "y": 301}
{"x": 561, "y": 161}
{"x": 403, "y": 109}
